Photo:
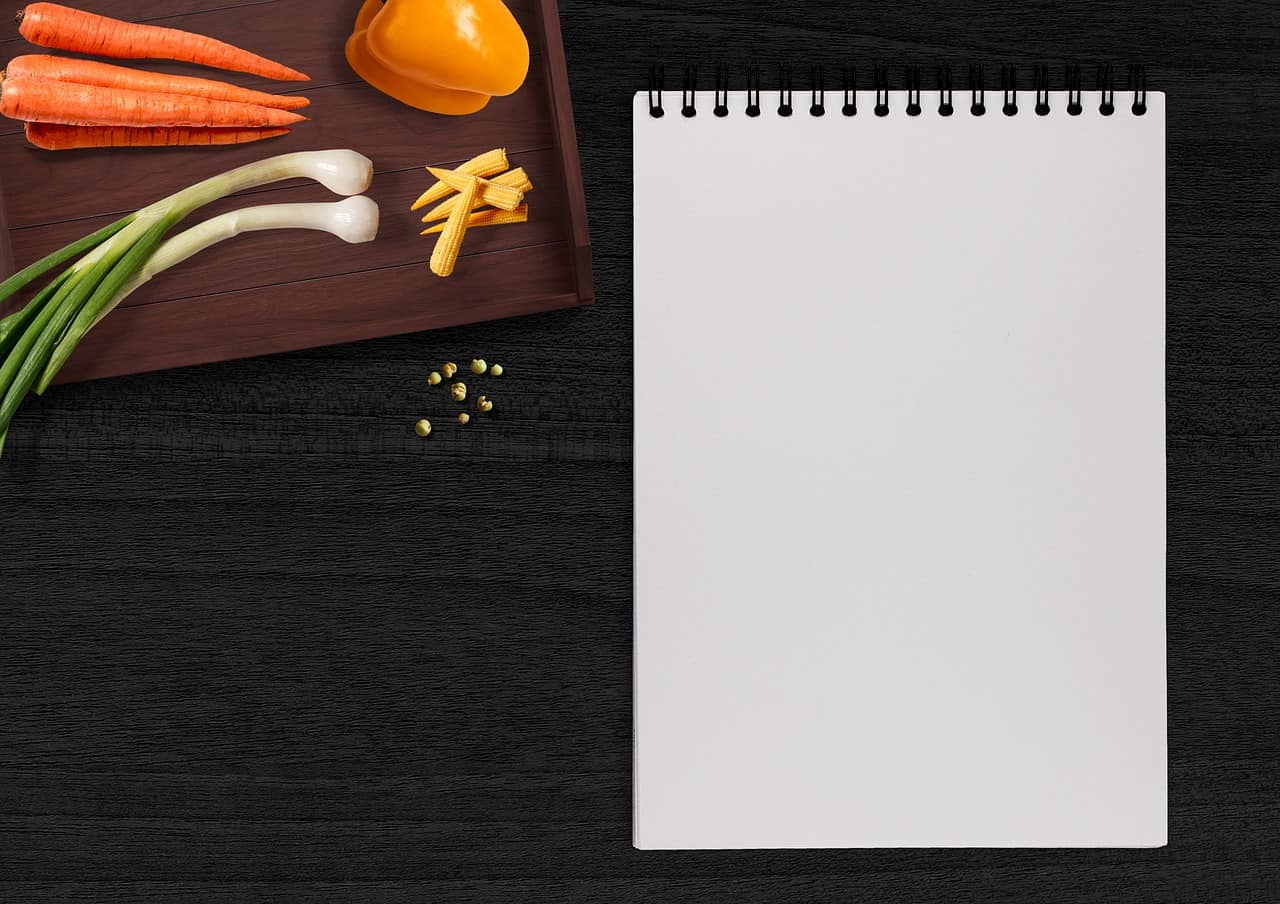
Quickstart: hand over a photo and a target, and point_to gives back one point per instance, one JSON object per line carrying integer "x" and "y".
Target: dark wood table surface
{"x": 258, "y": 642}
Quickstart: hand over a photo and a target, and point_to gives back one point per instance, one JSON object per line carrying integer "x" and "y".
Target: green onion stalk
{"x": 37, "y": 340}
{"x": 354, "y": 220}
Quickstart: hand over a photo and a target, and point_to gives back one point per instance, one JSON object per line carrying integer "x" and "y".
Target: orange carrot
{"x": 55, "y": 137}
{"x": 43, "y": 100}
{"x": 64, "y": 28}
{"x": 89, "y": 72}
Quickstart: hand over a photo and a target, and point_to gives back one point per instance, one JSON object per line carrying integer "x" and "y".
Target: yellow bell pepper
{"x": 444, "y": 56}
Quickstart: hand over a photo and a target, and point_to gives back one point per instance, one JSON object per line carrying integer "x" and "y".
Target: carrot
{"x": 64, "y": 28}
{"x": 55, "y": 137}
{"x": 43, "y": 100}
{"x": 89, "y": 72}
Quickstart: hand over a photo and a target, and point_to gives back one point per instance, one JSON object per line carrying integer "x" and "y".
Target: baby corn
{"x": 503, "y": 197}
{"x": 445, "y": 255}
{"x": 516, "y": 178}
{"x": 488, "y": 218}
{"x": 485, "y": 164}
{"x": 477, "y": 201}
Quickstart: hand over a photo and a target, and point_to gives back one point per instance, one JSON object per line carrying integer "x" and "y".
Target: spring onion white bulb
{"x": 354, "y": 220}
{"x": 343, "y": 172}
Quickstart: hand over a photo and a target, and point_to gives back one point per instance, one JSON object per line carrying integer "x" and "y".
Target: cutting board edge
{"x": 103, "y": 369}
{"x": 567, "y": 145}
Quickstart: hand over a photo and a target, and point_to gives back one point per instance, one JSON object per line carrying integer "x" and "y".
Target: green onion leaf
{"x": 11, "y": 328}
{"x": 19, "y": 280}
{"x": 132, "y": 261}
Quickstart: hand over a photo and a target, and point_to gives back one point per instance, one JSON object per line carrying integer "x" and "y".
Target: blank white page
{"x": 899, "y": 477}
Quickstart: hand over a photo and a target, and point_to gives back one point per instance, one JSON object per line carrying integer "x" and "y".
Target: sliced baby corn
{"x": 516, "y": 178}
{"x": 503, "y": 197}
{"x": 445, "y": 255}
{"x": 488, "y": 218}
{"x": 485, "y": 164}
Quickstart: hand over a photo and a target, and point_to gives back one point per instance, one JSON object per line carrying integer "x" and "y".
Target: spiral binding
{"x": 817, "y": 92}
{"x": 722, "y": 93}
{"x": 689, "y": 93}
{"x": 1136, "y": 84}
{"x": 1041, "y": 78}
{"x": 913, "y": 90}
{"x": 1009, "y": 88}
{"x": 1107, "y": 88}
{"x": 657, "y": 82}
{"x": 753, "y": 90}
{"x": 977, "y": 90}
{"x": 882, "y": 91}
{"x": 1074, "y": 107}
{"x": 784, "y": 89}
{"x": 945, "y": 106}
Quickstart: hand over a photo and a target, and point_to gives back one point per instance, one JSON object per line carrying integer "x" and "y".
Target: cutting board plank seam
{"x": 275, "y": 186}
{"x": 193, "y": 12}
{"x": 315, "y": 279}
{"x": 244, "y": 4}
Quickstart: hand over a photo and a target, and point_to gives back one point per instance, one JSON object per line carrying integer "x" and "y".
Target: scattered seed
{"x": 464, "y": 419}
{"x": 423, "y": 427}
{"x": 434, "y": 378}
{"x": 459, "y": 391}
{"x": 484, "y": 404}
{"x": 496, "y": 370}
{"x": 449, "y": 370}
{"x": 478, "y": 366}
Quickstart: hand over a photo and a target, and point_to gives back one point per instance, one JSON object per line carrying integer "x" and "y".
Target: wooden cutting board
{"x": 273, "y": 292}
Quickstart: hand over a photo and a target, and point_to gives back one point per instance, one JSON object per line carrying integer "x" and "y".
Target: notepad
{"x": 899, "y": 475}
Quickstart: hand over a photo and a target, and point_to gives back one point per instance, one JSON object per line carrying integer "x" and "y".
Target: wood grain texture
{"x": 516, "y": 271}
{"x": 6, "y": 247}
{"x": 567, "y": 148}
{"x": 261, "y": 644}
{"x": 237, "y": 266}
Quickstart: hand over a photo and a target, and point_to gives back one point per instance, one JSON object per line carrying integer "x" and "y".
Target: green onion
{"x": 354, "y": 220}
{"x": 111, "y": 276}
{"x": 36, "y": 341}
{"x": 11, "y": 328}
{"x": 19, "y": 280}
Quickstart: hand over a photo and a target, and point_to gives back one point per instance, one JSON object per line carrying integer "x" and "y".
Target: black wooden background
{"x": 258, "y": 642}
